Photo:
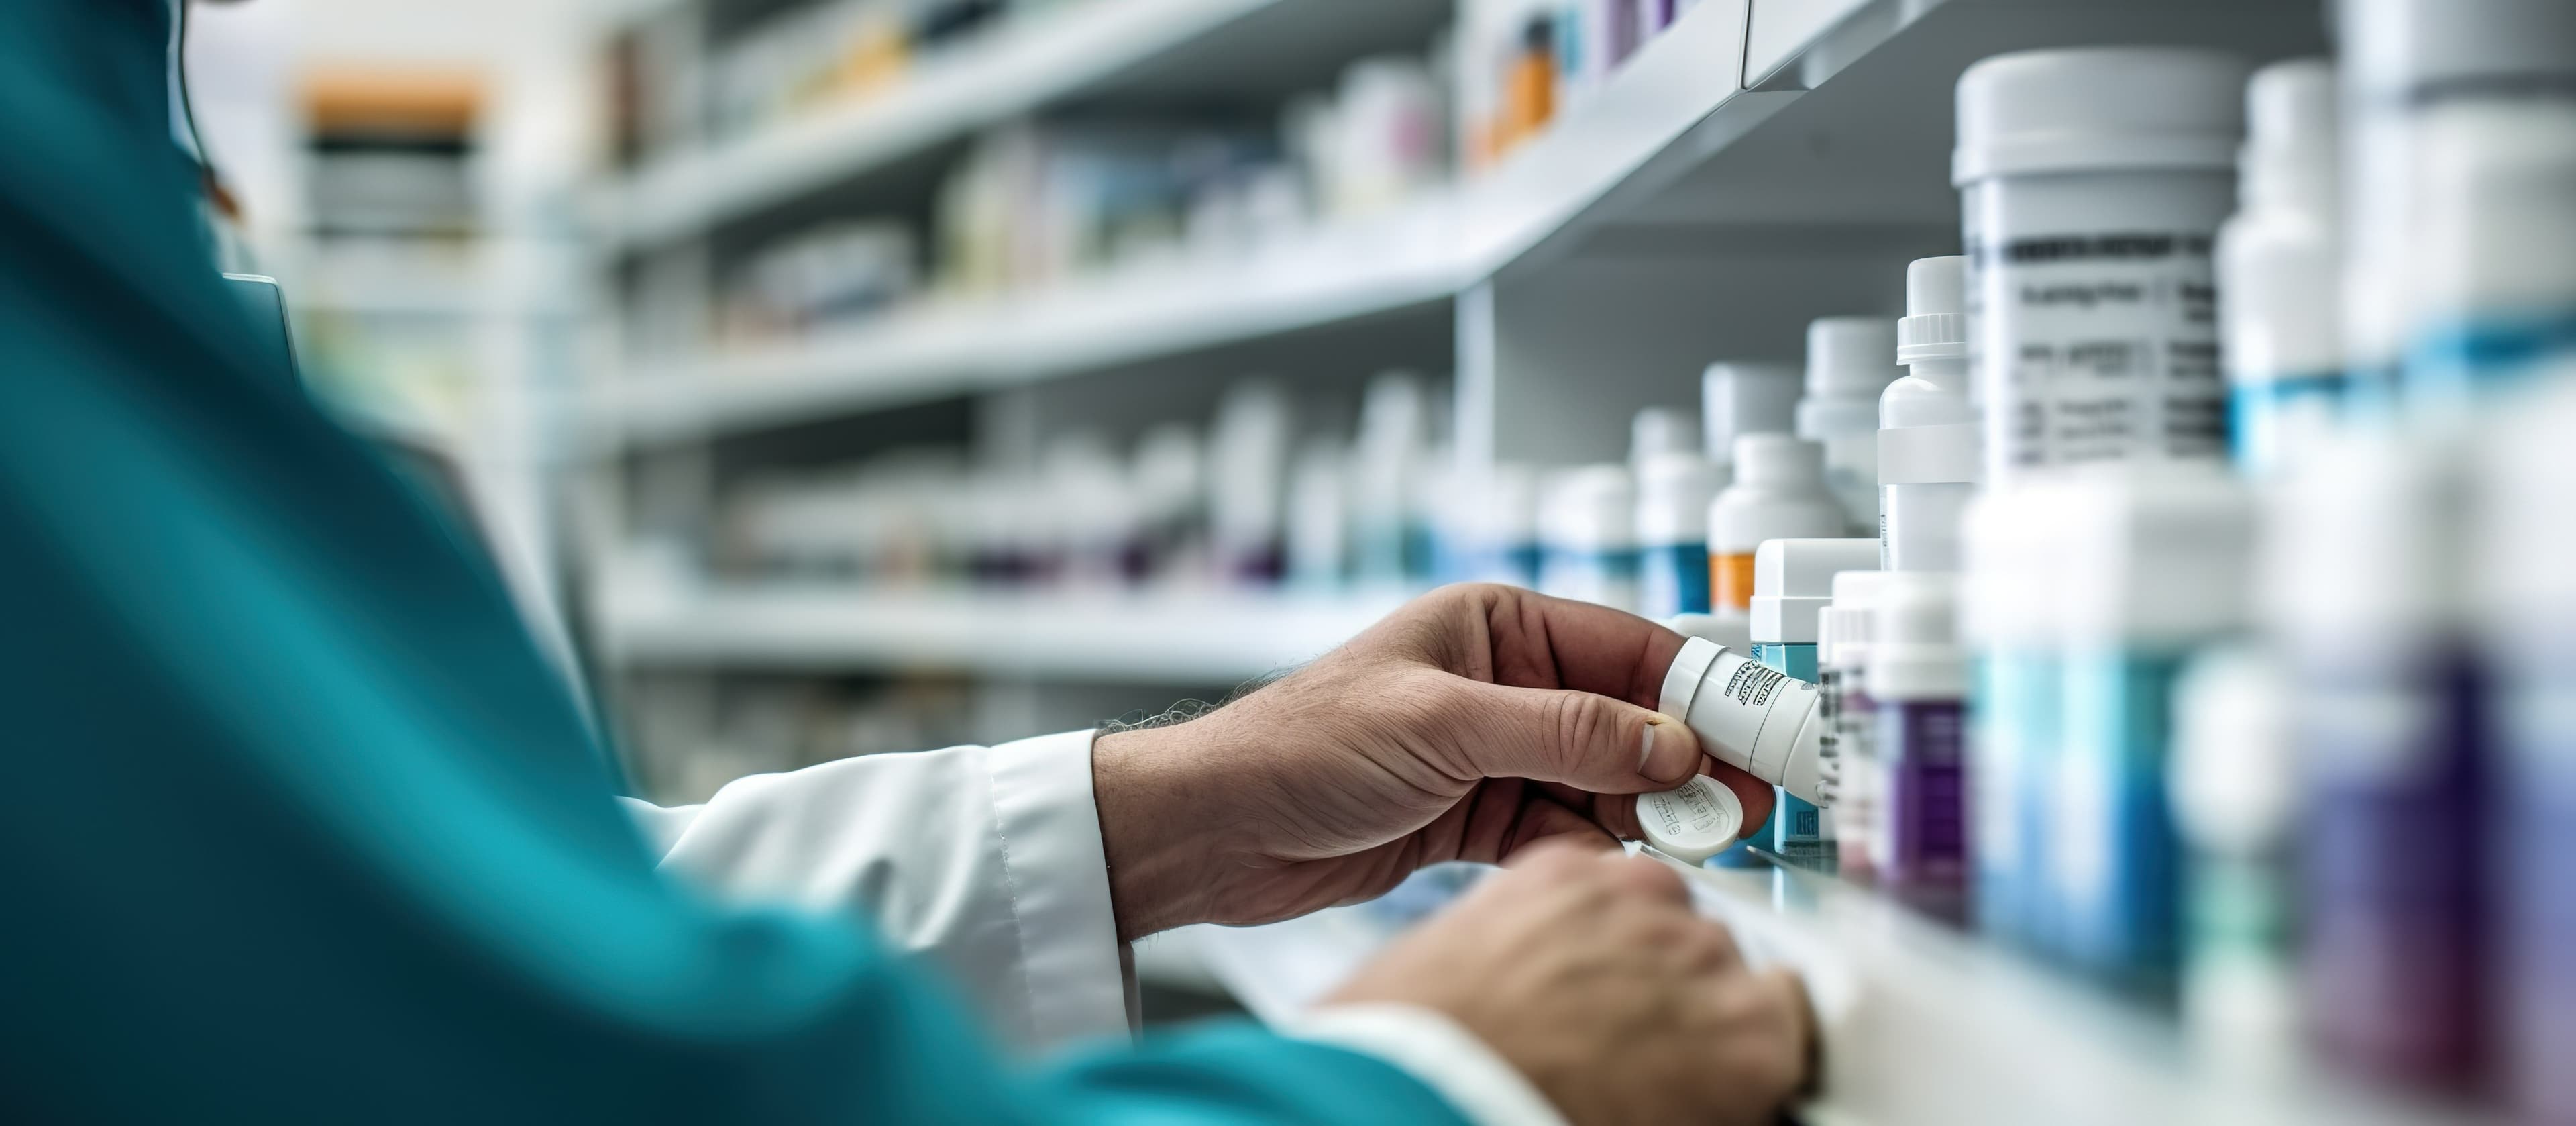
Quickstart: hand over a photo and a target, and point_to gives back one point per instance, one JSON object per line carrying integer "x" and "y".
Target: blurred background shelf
{"x": 1179, "y": 637}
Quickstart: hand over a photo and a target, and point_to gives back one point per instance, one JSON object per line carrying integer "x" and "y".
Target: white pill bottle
{"x": 2093, "y": 182}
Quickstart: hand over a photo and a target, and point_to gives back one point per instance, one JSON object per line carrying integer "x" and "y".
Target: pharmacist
{"x": 302, "y": 827}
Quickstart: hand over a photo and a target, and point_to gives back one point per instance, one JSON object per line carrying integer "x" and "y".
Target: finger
{"x": 1544, "y": 857}
{"x": 1543, "y": 822}
{"x": 1646, "y": 879}
{"x": 1581, "y": 739}
{"x": 1538, "y": 641}
{"x": 1788, "y": 992}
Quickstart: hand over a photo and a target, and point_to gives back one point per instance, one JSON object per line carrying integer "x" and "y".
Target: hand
{"x": 1474, "y": 722}
{"x": 1592, "y": 977}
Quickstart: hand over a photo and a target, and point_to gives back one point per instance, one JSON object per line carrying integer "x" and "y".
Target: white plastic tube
{"x": 1749, "y": 716}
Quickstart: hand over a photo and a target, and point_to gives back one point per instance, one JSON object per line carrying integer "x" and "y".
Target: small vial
{"x": 1928, "y": 438}
{"x": 1756, "y": 719}
{"x": 1919, "y": 688}
{"x": 1588, "y": 530}
{"x": 1848, "y": 366}
{"x": 2093, "y": 182}
{"x": 1792, "y": 581}
{"x": 1673, "y": 493}
{"x": 1692, "y": 823}
{"x": 2280, "y": 261}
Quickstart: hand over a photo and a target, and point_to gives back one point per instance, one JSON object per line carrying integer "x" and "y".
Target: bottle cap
{"x": 1843, "y": 626}
{"x": 1848, "y": 357}
{"x": 1740, "y": 397}
{"x": 2097, "y": 109}
{"x": 2399, "y": 50}
{"x": 2158, "y": 553}
{"x": 2013, "y": 557}
{"x": 1673, "y": 492}
{"x": 1692, "y": 823}
{"x": 1793, "y": 579}
{"x": 1935, "y": 326}
{"x": 1657, "y": 431}
{"x": 1777, "y": 459}
{"x": 1689, "y": 668}
{"x": 2364, "y": 542}
{"x": 1914, "y": 651}
{"x": 2291, "y": 150}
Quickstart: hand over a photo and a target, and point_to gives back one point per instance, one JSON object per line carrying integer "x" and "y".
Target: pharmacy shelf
{"x": 1179, "y": 637}
{"x": 1426, "y": 251}
{"x": 1921, "y": 1024}
{"x": 1062, "y": 53}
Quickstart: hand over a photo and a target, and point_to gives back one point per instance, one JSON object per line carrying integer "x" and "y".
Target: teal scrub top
{"x": 300, "y": 826}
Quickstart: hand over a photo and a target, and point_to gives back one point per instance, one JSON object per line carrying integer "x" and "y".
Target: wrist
{"x": 1150, "y": 833}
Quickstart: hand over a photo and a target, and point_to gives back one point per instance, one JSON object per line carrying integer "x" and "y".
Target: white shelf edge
{"x": 1106, "y": 636}
{"x": 1430, "y": 249}
{"x": 1024, "y": 63}
{"x": 1921, "y": 1024}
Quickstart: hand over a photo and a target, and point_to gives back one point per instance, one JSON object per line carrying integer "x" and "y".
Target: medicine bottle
{"x": 1928, "y": 438}
{"x": 1849, "y": 363}
{"x": 1779, "y": 493}
{"x": 1739, "y": 397}
{"x": 1588, "y": 536}
{"x": 1843, "y": 635}
{"x": 2094, "y": 181}
{"x": 2280, "y": 262}
{"x": 1673, "y": 493}
{"x": 2013, "y": 553}
{"x": 1919, "y": 689}
{"x": 1756, "y": 719}
{"x": 2234, "y": 779}
{"x": 2364, "y": 584}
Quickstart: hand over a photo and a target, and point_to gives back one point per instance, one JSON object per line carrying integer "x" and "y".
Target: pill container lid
{"x": 1935, "y": 325}
{"x": 1682, "y": 680}
{"x": 1793, "y": 579}
{"x": 2400, "y": 49}
{"x": 1692, "y": 823}
{"x": 2097, "y": 109}
{"x": 1740, "y": 397}
{"x": 1673, "y": 493}
{"x": 1849, "y": 356}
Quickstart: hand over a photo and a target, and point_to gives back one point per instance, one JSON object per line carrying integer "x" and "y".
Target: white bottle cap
{"x": 2499, "y": 241}
{"x": 2364, "y": 542}
{"x": 1793, "y": 579}
{"x": 2098, "y": 109}
{"x": 1935, "y": 326}
{"x": 2013, "y": 554}
{"x": 1743, "y": 397}
{"x": 1590, "y": 508}
{"x": 1692, "y": 823}
{"x": 1848, "y": 357}
{"x": 2158, "y": 553}
{"x": 2291, "y": 153}
{"x": 2398, "y": 49}
{"x": 1778, "y": 460}
{"x": 1673, "y": 492}
{"x": 1657, "y": 431}
{"x": 1914, "y": 651}
{"x": 1843, "y": 633}
{"x": 1727, "y": 628}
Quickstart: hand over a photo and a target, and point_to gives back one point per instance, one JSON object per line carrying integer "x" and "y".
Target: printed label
{"x": 2099, "y": 346}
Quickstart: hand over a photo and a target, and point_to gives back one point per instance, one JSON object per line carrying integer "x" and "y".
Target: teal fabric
{"x": 301, "y": 827}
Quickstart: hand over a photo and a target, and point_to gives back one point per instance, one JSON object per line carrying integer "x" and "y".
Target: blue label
{"x": 2013, "y": 730}
{"x": 1800, "y": 831}
{"x": 2115, "y": 885}
{"x": 2479, "y": 359}
{"x": 2258, "y": 410}
{"x": 1673, "y": 579}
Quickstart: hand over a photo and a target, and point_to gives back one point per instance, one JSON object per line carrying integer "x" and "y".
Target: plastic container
{"x": 1756, "y": 719}
{"x": 1843, "y": 634}
{"x": 1319, "y": 517}
{"x": 2402, "y": 61}
{"x": 2094, "y": 181}
{"x": 1779, "y": 493}
{"x": 2280, "y": 262}
{"x": 2496, "y": 303}
{"x": 1247, "y": 483}
{"x": 2527, "y": 614}
{"x": 1588, "y": 536}
{"x": 2009, "y": 617}
{"x": 1919, "y": 689}
{"x": 2156, "y": 566}
{"x": 1673, "y": 494}
{"x": 1739, "y": 397}
{"x": 2363, "y": 587}
{"x": 1928, "y": 439}
{"x": 1848, "y": 366}
{"x": 2234, "y": 781}
{"x": 1793, "y": 580}
{"x": 1387, "y": 462}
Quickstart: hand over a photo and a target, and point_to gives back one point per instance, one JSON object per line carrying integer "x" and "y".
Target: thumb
{"x": 1579, "y": 739}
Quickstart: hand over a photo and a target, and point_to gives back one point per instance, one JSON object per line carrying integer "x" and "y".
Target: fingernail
{"x": 1667, "y": 752}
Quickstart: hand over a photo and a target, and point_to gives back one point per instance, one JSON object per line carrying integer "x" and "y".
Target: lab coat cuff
{"x": 1485, "y": 1089}
{"x": 1058, "y": 877}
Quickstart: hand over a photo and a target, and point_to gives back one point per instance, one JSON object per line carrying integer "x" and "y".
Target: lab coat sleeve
{"x": 987, "y": 860}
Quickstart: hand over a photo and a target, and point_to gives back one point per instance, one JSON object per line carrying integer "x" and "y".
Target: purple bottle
{"x": 1918, "y": 681}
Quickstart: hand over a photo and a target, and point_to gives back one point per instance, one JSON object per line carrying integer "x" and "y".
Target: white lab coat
{"x": 987, "y": 860}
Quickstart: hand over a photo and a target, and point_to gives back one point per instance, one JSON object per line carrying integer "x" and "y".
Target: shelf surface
{"x": 1197, "y": 637}
{"x": 1922, "y": 1024}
